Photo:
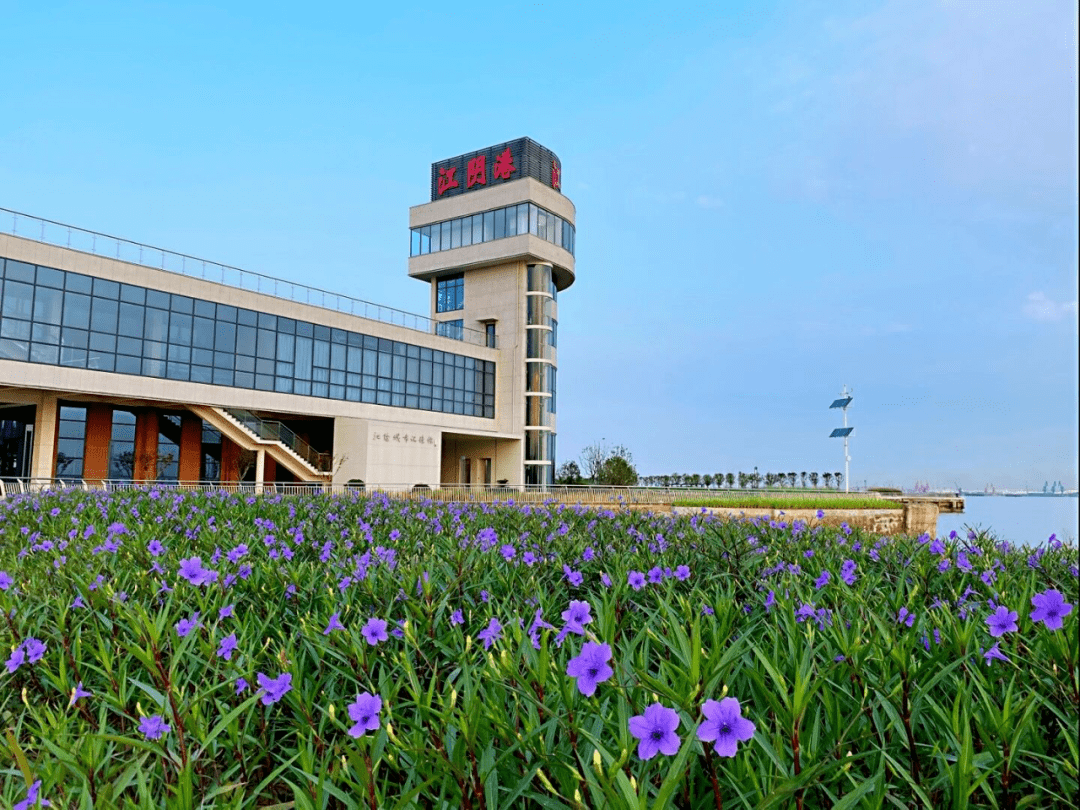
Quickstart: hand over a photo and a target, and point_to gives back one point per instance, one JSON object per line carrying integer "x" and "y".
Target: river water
{"x": 1018, "y": 519}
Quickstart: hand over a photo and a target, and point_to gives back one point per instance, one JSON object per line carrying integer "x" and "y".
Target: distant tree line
{"x": 614, "y": 466}
{"x": 745, "y": 480}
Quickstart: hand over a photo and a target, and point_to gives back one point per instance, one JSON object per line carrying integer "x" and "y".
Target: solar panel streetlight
{"x": 844, "y": 432}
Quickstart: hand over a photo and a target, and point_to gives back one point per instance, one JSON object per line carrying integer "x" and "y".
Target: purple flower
{"x": 33, "y": 798}
{"x": 656, "y": 575}
{"x": 228, "y": 645}
{"x": 682, "y": 573}
{"x": 995, "y": 653}
{"x": 274, "y": 688}
{"x": 847, "y": 572}
{"x": 507, "y": 551}
{"x": 820, "y": 514}
{"x": 226, "y": 612}
{"x": 155, "y": 548}
{"x": 17, "y": 659}
{"x": 605, "y": 579}
{"x": 1002, "y": 621}
{"x": 577, "y": 616}
{"x": 1050, "y": 606}
{"x": 364, "y": 712}
{"x": 590, "y": 667}
{"x": 457, "y": 618}
{"x": 154, "y": 727}
{"x": 78, "y": 692}
{"x": 237, "y": 553}
{"x": 656, "y": 731}
{"x": 374, "y": 631}
{"x": 905, "y": 617}
{"x": 35, "y": 650}
{"x": 185, "y": 626}
{"x": 5, "y": 580}
{"x": 822, "y": 580}
{"x": 725, "y": 724}
{"x": 335, "y": 624}
{"x": 528, "y": 558}
{"x": 575, "y": 578}
{"x": 770, "y": 600}
{"x": 241, "y": 685}
{"x": 491, "y": 633}
{"x": 636, "y": 580}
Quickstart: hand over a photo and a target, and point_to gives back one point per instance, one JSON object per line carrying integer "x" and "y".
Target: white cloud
{"x": 1041, "y": 308}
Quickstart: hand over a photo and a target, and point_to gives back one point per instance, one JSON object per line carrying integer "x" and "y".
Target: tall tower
{"x": 496, "y": 242}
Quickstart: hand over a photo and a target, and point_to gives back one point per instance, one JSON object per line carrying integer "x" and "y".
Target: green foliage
{"x": 852, "y": 708}
{"x": 741, "y": 500}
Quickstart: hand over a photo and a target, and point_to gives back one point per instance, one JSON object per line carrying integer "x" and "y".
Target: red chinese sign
{"x": 504, "y": 165}
{"x": 447, "y": 180}
{"x": 477, "y": 172}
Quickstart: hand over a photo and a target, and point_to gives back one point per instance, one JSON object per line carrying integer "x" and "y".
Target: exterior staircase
{"x": 280, "y": 443}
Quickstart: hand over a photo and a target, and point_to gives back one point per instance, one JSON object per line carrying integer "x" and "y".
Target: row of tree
{"x": 753, "y": 480}
{"x": 614, "y": 466}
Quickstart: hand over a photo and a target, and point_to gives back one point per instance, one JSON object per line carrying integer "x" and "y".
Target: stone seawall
{"x": 914, "y": 518}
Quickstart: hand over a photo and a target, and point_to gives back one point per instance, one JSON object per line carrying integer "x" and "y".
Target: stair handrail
{"x": 276, "y": 431}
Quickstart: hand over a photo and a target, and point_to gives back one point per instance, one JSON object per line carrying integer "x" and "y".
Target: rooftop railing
{"x": 113, "y": 247}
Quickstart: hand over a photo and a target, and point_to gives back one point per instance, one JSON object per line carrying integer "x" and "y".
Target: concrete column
{"x": 260, "y": 469}
{"x": 46, "y": 425}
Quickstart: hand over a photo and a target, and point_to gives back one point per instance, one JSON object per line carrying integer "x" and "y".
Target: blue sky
{"x": 774, "y": 199}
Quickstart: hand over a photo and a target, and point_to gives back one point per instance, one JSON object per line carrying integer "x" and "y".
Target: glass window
{"x": 48, "y": 305}
{"x": 523, "y": 218}
{"x": 444, "y": 241}
{"x": 414, "y": 244}
{"x": 103, "y": 312}
{"x": 245, "y": 340}
{"x": 202, "y": 333}
{"x": 132, "y": 295}
{"x": 156, "y": 325}
{"x": 226, "y": 337}
{"x": 122, "y": 446}
{"x": 77, "y": 310}
{"x": 131, "y": 320}
{"x": 451, "y": 329}
{"x": 47, "y": 277}
{"x": 450, "y": 293}
{"x": 499, "y": 224}
{"x": 489, "y": 226}
{"x": 76, "y": 282}
{"x": 71, "y": 442}
{"x": 466, "y": 232}
{"x": 18, "y": 299}
{"x": 181, "y": 303}
{"x": 455, "y": 233}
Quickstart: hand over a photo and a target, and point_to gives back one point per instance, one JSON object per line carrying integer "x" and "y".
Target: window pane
{"x": 103, "y": 315}
{"x": 77, "y": 310}
{"x": 48, "y": 305}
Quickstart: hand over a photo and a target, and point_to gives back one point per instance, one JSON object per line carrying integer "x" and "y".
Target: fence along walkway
{"x": 448, "y": 493}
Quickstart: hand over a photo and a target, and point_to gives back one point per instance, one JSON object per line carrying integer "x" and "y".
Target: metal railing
{"x": 72, "y": 237}
{"x": 446, "y": 493}
{"x": 279, "y": 432}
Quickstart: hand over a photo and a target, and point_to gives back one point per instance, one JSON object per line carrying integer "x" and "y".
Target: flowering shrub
{"x": 166, "y": 648}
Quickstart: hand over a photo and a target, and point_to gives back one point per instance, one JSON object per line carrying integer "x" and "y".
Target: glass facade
{"x": 540, "y": 371}
{"x": 450, "y": 293}
{"x": 70, "y": 442}
{"x": 502, "y": 223}
{"x": 122, "y": 446}
{"x": 68, "y": 319}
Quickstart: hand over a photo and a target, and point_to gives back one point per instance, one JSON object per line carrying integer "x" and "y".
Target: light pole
{"x": 844, "y": 432}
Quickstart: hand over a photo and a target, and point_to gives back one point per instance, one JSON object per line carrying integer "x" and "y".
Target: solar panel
{"x": 840, "y": 433}
{"x": 841, "y": 403}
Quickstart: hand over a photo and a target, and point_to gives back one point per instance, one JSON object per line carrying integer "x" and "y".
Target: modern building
{"x": 119, "y": 361}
